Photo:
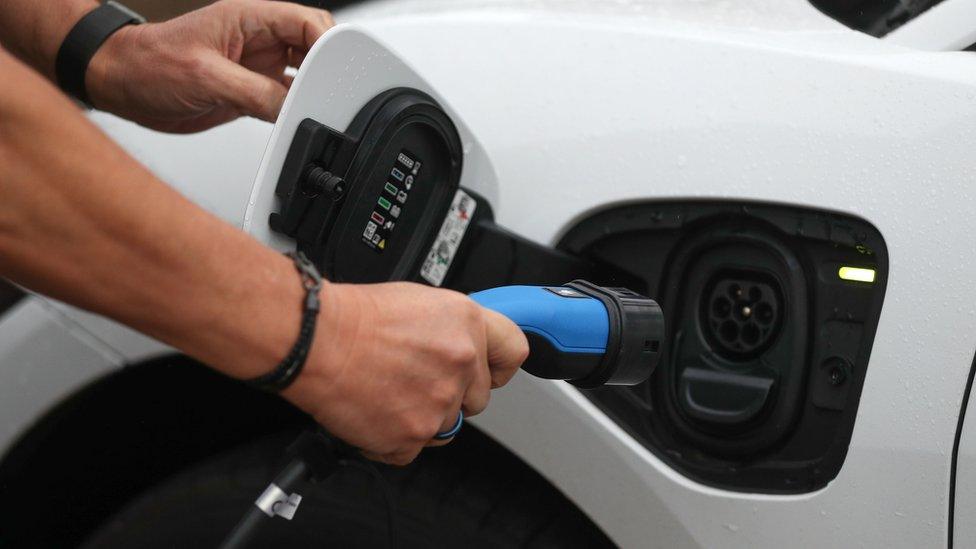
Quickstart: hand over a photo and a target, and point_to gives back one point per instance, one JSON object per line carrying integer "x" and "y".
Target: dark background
{"x": 157, "y": 10}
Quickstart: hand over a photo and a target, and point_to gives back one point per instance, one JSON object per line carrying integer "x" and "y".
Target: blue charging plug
{"x": 584, "y": 333}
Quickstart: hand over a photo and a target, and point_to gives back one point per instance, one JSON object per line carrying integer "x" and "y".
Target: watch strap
{"x": 84, "y": 39}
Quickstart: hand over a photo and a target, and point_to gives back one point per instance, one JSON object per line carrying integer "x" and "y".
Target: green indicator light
{"x": 390, "y": 189}
{"x": 856, "y": 274}
{"x": 384, "y": 203}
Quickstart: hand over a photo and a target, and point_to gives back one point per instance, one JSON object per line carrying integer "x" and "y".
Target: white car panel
{"x": 949, "y": 25}
{"x": 755, "y": 15}
{"x": 964, "y": 525}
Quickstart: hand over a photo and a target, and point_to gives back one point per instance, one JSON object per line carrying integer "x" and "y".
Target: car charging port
{"x": 771, "y": 311}
{"x": 741, "y": 313}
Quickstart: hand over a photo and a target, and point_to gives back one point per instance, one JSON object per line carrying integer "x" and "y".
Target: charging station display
{"x": 386, "y": 211}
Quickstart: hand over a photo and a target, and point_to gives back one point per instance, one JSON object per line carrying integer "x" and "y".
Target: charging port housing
{"x": 768, "y": 346}
{"x": 400, "y": 163}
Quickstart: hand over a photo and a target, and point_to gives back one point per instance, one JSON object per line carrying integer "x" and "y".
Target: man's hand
{"x": 207, "y": 67}
{"x": 393, "y": 363}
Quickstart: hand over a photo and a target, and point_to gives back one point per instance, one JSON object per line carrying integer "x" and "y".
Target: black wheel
{"x": 468, "y": 494}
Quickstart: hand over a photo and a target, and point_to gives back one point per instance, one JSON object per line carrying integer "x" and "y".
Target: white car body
{"x": 570, "y": 107}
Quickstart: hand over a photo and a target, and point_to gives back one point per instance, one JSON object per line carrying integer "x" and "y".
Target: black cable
{"x": 295, "y": 473}
{"x": 315, "y": 457}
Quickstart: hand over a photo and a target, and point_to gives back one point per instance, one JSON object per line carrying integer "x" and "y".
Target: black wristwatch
{"x": 84, "y": 40}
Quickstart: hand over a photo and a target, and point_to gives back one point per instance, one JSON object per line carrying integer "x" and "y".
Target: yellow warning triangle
{"x": 382, "y": 244}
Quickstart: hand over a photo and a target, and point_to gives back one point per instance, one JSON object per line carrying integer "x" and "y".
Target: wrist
{"x": 241, "y": 324}
{"x": 106, "y": 79}
{"x": 53, "y": 26}
{"x": 341, "y": 322}
{"x": 269, "y": 324}
{"x": 285, "y": 372}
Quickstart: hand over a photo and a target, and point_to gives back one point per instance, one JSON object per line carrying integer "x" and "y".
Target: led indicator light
{"x": 397, "y": 174}
{"x": 384, "y": 203}
{"x": 390, "y": 188}
{"x": 856, "y": 274}
{"x": 379, "y": 219}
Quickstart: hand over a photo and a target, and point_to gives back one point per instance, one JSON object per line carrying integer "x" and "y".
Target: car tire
{"x": 449, "y": 497}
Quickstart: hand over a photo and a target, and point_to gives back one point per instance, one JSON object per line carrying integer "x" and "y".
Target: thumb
{"x": 507, "y": 347}
{"x": 252, "y": 94}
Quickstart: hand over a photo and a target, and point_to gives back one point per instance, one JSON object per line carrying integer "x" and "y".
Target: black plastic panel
{"x": 376, "y": 225}
{"x": 767, "y": 347}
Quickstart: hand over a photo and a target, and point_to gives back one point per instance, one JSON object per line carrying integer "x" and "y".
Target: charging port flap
{"x": 375, "y": 179}
{"x": 346, "y": 75}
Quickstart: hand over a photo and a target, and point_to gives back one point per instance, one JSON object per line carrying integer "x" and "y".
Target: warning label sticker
{"x": 446, "y": 244}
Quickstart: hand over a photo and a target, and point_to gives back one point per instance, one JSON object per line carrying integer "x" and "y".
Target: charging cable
{"x": 314, "y": 457}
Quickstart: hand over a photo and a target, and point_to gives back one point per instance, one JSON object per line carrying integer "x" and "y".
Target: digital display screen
{"x": 386, "y": 211}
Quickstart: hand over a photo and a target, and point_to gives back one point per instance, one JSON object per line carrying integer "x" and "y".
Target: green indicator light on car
{"x": 856, "y": 274}
{"x": 390, "y": 188}
{"x": 384, "y": 203}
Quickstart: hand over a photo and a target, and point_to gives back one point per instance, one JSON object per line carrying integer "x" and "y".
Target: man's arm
{"x": 34, "y": 30}
{"x": 83, "y": 222}
{"x": 188, "y": 74}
